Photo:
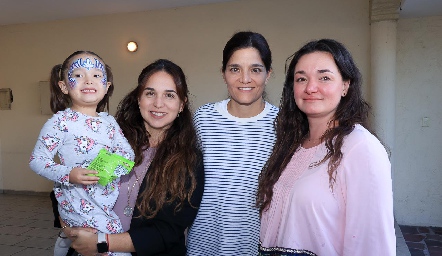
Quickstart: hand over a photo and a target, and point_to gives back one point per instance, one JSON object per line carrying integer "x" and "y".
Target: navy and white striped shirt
{"x": 235, "y": 150}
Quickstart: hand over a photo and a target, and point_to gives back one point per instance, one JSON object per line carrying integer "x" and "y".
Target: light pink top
{"x": 356, "y": 218}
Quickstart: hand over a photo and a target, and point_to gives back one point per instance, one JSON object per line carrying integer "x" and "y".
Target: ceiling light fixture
{"x": 132, "y": 46}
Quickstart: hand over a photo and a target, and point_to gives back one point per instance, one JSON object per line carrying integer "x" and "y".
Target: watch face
{"x": 102, "y": 247}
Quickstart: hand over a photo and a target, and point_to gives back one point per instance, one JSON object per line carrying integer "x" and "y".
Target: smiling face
{"x": 86, "y": 83}
{"x": 159, "y": 103}
{"x": 246, "y": 76}
{"x": 318, "y": 85}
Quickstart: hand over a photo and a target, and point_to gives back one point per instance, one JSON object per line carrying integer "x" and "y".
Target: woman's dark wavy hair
{"x": 171, "y": 174}
{"x": 247, "y": 39}
{"x": 292, "y": 125}
{"x": 60, "y": 101}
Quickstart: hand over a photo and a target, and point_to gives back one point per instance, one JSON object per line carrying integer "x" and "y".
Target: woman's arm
{"x": 120, "y": 243}
{"x": 369, "y": 227}
{"x": 85, "y": 242}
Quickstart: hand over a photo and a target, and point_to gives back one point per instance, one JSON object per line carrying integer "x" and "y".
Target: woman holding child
{"x": 160, "y": 197}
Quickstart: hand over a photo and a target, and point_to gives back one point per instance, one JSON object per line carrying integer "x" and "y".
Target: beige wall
{"x": 192, "y": 37}
{"x": 418, "y": 162}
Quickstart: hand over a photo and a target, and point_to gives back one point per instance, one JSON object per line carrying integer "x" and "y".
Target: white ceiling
{"x": 29, "y": 11}
{"x": 420, "y": 8}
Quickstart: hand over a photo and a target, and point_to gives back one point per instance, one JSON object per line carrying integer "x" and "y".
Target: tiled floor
{"x": 26, "y": 225}
{"x": 26, "y": 229}
{"x": 423, "y": 241}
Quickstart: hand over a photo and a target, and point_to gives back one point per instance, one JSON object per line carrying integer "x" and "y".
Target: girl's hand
{"x": 80, "y": 176}
{"x": 84, "y": 241}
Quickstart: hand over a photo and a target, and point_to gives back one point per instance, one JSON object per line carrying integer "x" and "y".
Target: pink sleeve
{"x": 369, "y": 224}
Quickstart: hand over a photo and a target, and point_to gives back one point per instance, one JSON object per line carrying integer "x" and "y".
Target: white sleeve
{"x": 42, "y": 161}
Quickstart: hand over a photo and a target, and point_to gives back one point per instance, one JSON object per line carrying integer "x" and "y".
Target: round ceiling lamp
{"x": 132, "y": 46}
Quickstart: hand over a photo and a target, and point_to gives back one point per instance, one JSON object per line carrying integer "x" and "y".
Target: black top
{"x": 164, "y": 234}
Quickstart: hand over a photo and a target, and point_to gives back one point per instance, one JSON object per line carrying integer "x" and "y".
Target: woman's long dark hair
{"x": 292, "y": 124}
{"x": 60, "y": 101}
{"x": 171, "y": 175}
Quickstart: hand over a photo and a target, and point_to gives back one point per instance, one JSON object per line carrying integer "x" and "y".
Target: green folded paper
{"x": 110, "y": 166}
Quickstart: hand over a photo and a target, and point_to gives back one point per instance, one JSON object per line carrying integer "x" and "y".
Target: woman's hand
{"x": 72, "y": 233}
{"x": 81, "y": 176}
{"x": 68, "y": 231}
{"x": 84, "y": 241}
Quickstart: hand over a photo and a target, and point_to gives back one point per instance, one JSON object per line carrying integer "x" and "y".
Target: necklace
{"x": 129, "y": 210}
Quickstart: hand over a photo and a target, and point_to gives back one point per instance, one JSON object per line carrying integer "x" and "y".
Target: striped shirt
{"x": 235, "y": 150}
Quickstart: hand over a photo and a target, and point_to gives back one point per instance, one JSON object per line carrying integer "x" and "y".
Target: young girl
{"x": 76, "y": 134}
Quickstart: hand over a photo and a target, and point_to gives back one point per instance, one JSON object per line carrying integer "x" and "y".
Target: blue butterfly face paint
{"x": 88, "y": 65}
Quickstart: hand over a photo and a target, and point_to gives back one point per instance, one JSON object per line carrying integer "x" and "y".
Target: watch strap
{"x": 101, "y": 237}
{"x": 102, "y": 245}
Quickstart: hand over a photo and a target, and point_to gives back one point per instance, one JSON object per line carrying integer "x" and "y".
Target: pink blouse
{"x": 355, "y": 218}
{"x": 129, "y": 184}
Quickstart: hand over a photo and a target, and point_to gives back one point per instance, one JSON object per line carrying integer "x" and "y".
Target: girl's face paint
{"x": 86, "y": 83}
{"x": 89, "y": 65}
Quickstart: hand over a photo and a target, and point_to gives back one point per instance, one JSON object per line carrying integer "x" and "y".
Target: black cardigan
{"x": 164, "y": 234}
